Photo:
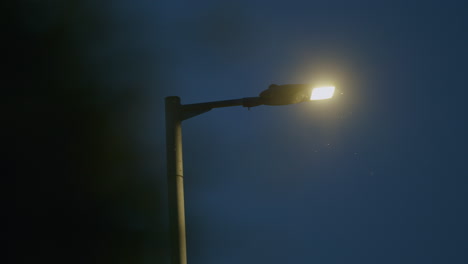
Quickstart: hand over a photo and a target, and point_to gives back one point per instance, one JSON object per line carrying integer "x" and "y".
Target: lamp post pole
{"x": 175, "y": 114}
{"x": 175, "y": 179}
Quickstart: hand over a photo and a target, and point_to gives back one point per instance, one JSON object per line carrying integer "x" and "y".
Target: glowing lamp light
{"x": 321, "y": 93}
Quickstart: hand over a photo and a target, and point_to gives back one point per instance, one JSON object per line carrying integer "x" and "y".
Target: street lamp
{"x": 176, "y": 113}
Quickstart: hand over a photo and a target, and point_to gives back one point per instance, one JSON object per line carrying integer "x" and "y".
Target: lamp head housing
{"x": 294, "y": 93}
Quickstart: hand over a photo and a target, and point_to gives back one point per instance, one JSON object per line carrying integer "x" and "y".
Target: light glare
{"x": 321, "y": 93}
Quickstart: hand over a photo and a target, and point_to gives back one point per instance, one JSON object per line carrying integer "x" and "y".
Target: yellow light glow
{"x": 321, "y": 93}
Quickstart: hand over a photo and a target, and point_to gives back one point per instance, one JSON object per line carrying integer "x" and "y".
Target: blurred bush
{"x": 77, "y": 189}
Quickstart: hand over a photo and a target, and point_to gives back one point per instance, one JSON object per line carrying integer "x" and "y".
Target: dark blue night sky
{"x": 376, "y": 175}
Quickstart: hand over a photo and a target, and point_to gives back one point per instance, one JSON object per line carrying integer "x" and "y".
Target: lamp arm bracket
{"x": 192, "y": 113}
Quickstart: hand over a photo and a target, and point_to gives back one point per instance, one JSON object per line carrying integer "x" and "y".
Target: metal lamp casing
{"x": 286, "y": 94}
